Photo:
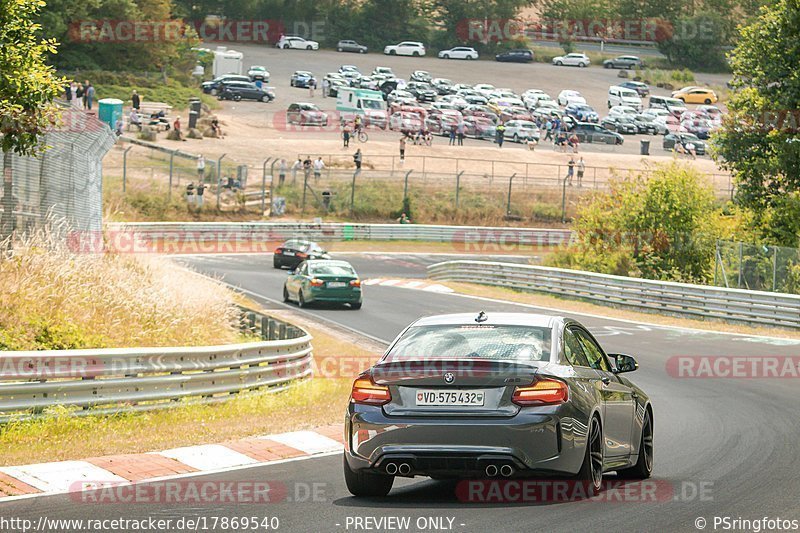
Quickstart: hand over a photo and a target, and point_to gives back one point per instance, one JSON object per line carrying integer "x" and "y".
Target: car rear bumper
{"x": 536, "y": 441}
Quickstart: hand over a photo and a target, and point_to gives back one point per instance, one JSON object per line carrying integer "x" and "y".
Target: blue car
{"x": 582, "y": 113}
{"x": 301, "y": 78}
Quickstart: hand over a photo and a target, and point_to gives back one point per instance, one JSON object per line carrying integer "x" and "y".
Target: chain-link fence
{"x": 757, "y": 267}
{"x": 64, "y": 183}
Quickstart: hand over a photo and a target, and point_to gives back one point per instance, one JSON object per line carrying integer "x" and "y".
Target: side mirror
{"x": 624, "y": 363}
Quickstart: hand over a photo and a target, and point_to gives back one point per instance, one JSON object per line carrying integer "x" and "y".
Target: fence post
{"x": 716, "y": 262}
{"x": 741, "y": 246}
{"x": 353, "y": 191}
{"x": 219, "y": 178}
{"x": 563, "y": 200}
{"x": 264, "y": 184}
{"x": 125, "y": 167}
{"x": 458, "y": 187}
{"x": 510, "y": 183}
{"x": 775, "y": 269}
{"x": 405, "y": 185}
{"x": 171, "y": 166}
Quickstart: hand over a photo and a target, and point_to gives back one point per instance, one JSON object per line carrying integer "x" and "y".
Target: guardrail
{"x": 102, "y": 381}
{"x": 176, "y": 232}
{"x": 695, "y": 301}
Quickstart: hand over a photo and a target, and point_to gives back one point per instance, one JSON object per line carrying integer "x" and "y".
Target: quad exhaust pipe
{"x": 506, "y": 470}
{"x": 404, "y": 469}
{"x": 391, "y": 468}
{"x": 491, "y": 470}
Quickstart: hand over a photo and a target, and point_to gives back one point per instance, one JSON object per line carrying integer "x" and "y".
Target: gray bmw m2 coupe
{"x": 496, "y": 395}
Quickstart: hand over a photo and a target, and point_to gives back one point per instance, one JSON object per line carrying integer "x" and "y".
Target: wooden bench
{"x": 148, "y": 108}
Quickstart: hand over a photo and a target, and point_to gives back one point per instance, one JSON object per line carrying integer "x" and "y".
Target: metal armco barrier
{"x": 100, "y": 381}
{"x": 497, "y": 237}
{"x": 695, "y": 301}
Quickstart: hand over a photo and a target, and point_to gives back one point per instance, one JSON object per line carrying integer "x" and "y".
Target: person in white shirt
{"x": 297, "y": 166}
{"x": 135, "y": 120}
{"x": 318, "y": 166}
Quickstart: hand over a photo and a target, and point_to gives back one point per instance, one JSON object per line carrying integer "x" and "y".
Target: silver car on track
{"x": 497, "y": 395}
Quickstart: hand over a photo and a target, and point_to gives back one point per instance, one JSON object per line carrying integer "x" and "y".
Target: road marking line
{"x": 207, "y": 456}
{"x": 61, "y": 476}
{"x": 309, "y": 442}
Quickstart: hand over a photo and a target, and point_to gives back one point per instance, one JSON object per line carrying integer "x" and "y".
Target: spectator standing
{"x": 346, "y": 134}
{"x": 357, "y": 158}
{"x": 325, "y": 86}
{"x": 89, "y": 96}
{"x": 282, "y": 166}
{"x": 312, "y": 84}
{"x": 460, "y": 132}
{"x": 77, "y": 95}
{"x": 453, "y": 135}
{"x": 319, "y": 165}
{"x": 402, "y": 149}
{"x": 307, "y": 164}
{"x": 295, "y": 167}
{"x": 403, "y": 219}
{"x": 201, "y": 188}
{"x": 190, "y": 193}
{"x": 690, "y": 148}
{"x": 581, "y": 170}
{"x": 574, "y": 142}
{"x": 135, "y": 100}
{"x": 68, "y": 93}
{"x": 201, "y": 168}
{"x": 548, "y": 128}
{"x": 500, "y": 134}
{"x": 177, "y": 127}
{"x": 570, "y": 171}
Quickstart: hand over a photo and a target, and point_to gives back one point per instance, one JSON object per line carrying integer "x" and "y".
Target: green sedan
{"x": 323, "y": 281}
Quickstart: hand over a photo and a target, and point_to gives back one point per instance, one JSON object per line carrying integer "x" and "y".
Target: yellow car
{"x": 696, "y": 95}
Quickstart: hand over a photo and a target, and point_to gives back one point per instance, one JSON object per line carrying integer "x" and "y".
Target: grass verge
{"x": 316, "y": 402}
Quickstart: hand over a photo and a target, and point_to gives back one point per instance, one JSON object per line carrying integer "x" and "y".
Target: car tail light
{"x": 315, "y": 282}
{"x": 365, "y": 391}
{"x": 355, "y": 283}
{"x": 302, "y": 255}
{"x": 542, "y": 392}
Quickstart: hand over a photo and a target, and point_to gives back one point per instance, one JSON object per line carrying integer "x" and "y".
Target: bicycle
{"x": 359, "y": 135}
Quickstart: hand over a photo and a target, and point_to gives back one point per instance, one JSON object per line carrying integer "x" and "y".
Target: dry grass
{"x": 51, "y": 298}
{"x": 312, "y": 403}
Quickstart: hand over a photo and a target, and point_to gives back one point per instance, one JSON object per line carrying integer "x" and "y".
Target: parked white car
{"x": 405, "y": 48}
{"x": 459, "y": 52}
{"x": 298, "y": 43}
{"x": 521, "y": 130}
{"x": 484, "y": 88}
{"x": 621, "y": 96}
{"x": 568, "y": 96}
{"x": 572, "y": 60}
{"x": 623, "y": 110}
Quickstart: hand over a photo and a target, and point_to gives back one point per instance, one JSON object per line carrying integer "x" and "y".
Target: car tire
{"x": 708, "y": 101}
{"x": 301, "y": 300}
{"x": 643, "y": 468}
{"x": 285, "y": 294}
{"x": 355, "y": 306}
{"x": 362, "y": 51}
{"x": 309, "y": 47}
{"x": 237, "y": 97}
{"x": 606, "y": 65}
{"x": 593, "y": 459}
{"x": 559, "y": 63}
{"x": 285, "y": 46}
{"x": 266, "y": 99}
{"x": 363, "y": 484}
{"x": 339, "y": 50}
{"x": 415, "y": 54}
{"x": 471, "y": 58}
{"x": 392, "y": 52}
{"x": 276, "y": 264}
{"x": 515, "y": 138}
{"x": 446, "y": 56}
{"x": 581, "y": 65}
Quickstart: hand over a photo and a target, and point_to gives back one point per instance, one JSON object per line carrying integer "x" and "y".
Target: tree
{"x": 760, "y": 142}
{"x": 28, "y": 87}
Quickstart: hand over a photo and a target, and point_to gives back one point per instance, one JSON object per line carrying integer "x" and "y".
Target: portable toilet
{"x": 227, "y": 61}
{"x": 110, "y": 110}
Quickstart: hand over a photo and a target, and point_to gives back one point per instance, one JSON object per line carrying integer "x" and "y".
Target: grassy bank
{"x": 55, "y": 299}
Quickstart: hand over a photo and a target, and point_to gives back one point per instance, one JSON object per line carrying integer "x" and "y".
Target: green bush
{"x": 663, "y": 226}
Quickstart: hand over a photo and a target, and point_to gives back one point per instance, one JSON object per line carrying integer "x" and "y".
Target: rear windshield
{"x": 332, "y": 270}
{"x": 497, "y": 343}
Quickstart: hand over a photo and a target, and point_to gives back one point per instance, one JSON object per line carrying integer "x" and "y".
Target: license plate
{"x": 450, "y": 397}
{"x": 334, "y": 284}
{"x": 288, "y": 253}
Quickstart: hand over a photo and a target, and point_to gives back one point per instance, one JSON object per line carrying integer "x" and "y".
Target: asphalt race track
{"x": 724, "y": 447}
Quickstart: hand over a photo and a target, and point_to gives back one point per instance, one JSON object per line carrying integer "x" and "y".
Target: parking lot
{"x": 592, "y": 82}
